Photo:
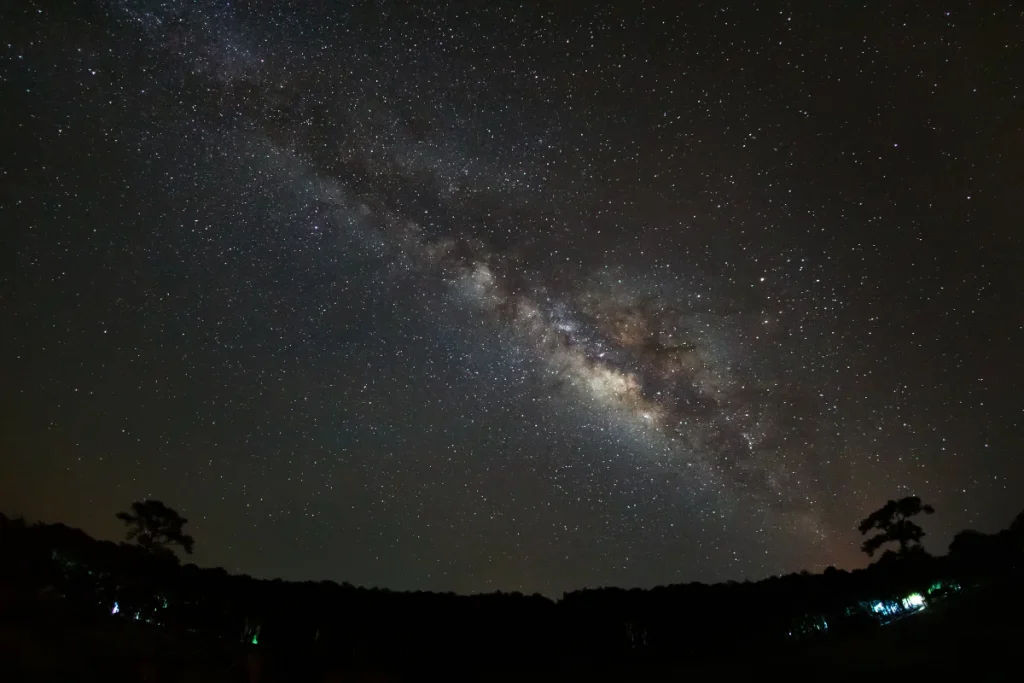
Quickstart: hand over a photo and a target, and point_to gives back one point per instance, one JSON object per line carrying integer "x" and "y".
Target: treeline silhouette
{"x": 62, "y": 572}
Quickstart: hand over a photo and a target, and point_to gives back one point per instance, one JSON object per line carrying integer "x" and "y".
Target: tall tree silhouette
{"x": 156, "y": 527}
{"x": 892, "y": 521}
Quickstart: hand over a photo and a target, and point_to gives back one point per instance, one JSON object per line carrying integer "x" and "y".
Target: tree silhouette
{"x": 892, "y": 521}
{"x": 156, "y": 527}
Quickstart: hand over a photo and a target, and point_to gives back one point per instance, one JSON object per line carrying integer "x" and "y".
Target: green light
{"x": 914, "y": 600}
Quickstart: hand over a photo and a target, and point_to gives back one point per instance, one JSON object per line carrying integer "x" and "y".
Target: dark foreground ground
{"x": 965, "y": 637}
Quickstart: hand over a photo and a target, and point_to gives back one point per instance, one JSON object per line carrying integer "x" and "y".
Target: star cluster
{"x": 458, "y": 297}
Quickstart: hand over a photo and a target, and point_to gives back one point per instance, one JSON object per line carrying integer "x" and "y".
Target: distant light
{"x": 914, "y": 600}
{"x": 117, "y": 608}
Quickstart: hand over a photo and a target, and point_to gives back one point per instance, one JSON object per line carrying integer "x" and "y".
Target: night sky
{"x": 489, "y": 296}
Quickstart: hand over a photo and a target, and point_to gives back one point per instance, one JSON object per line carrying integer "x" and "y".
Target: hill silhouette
{"x": 57, "y": 579}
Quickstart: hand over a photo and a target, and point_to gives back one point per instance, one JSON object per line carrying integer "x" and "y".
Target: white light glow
{"x": 913, "y": 600}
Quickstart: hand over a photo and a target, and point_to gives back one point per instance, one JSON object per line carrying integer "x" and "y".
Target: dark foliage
{"x": 156, "y": 527}
{"x": 365, "y": 627}
{"x": 892, "y": 521}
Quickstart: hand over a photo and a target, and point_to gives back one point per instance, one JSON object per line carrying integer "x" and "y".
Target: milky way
{"x": 522, "y": 298}
{"x": 630, "y": 352}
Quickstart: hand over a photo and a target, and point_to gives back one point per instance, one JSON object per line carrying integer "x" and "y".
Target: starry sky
{"x": 478, "y": 296}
